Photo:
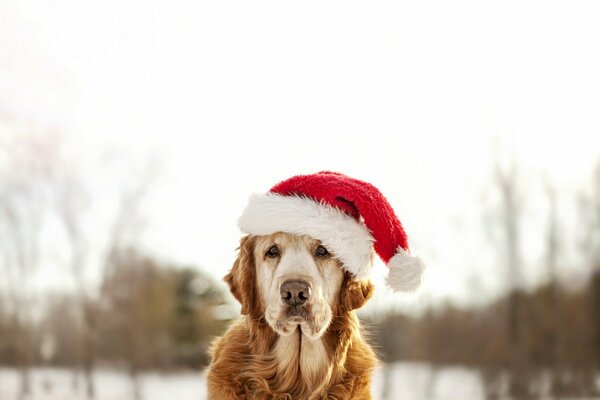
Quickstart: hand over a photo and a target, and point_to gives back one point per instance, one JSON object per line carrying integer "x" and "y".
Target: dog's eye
{"x": 321, "y": 251}
{"x": 273, "y": 251}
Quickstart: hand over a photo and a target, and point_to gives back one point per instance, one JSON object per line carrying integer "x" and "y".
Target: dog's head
{"x": 294, "y": 282}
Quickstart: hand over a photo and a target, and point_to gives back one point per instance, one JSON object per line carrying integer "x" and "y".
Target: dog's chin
{"x": 289, "y": 319}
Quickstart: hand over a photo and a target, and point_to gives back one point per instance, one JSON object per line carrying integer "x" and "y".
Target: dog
{"x": 301, "y": 272}
{"x": 298, "y": 336}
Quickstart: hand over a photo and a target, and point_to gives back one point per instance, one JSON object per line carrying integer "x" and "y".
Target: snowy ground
{"x": 404, "y": 381}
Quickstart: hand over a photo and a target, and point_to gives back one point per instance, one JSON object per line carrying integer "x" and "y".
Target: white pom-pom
{"x": 406, "y": 271}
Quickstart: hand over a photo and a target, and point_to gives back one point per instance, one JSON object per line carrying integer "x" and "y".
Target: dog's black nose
{"x": 295, "y": 293}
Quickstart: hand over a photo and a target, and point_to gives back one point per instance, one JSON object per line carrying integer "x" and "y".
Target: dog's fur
{"x": 269, "y": 353}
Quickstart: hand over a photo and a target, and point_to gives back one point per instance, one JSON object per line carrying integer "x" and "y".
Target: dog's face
{"x": 299, "y": 281}
{"x": 295, "y": 282}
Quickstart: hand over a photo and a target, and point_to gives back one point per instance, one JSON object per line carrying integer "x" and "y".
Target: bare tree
{"x": 590, "y": 217}
{"x": 23, "y": 207}
{"x": 71, "y": 204}
{"x": 508, "y": 245}
{"x": 124, "y": 234}
{"x": 553, "y": 248}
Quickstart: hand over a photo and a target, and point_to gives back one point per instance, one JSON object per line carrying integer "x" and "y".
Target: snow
{"x": 409, "y": 381}
{"x": 57, "y": 384}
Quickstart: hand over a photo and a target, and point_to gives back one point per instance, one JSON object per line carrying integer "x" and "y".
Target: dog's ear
{"x": 241, "y": 279}
{"x": 355, "y": 293}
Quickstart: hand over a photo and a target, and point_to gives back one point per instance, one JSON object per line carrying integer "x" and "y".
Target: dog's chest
{"x": 302, "y": 355}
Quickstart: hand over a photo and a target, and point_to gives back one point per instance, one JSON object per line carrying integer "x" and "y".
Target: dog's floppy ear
{"x": 241, "y": 279}
{"x": 355, "y": 293}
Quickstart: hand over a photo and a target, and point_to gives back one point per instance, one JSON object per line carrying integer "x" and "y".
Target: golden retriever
{"x": 298, "y": 336}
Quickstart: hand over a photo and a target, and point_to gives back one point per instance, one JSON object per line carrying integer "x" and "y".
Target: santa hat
{"x": 350, "y": 217}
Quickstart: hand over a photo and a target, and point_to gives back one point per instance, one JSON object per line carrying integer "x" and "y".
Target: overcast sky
{"x": 233, "y": 96}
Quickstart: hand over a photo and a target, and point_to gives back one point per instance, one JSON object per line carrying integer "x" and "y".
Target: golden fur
{"x": 252, "y": 361}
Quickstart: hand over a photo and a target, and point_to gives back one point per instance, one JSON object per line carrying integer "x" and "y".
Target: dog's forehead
{"x": 288, "y": 240}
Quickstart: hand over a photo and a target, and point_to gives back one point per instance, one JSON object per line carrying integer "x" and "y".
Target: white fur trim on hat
{"x": 347, "y": 238}
{"x": 406, "y": 271}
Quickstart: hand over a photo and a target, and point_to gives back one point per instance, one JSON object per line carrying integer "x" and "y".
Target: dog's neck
{"x": 297, "y": 356}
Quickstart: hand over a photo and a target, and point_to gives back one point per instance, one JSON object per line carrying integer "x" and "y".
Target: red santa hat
{"x": 350, "y": 217}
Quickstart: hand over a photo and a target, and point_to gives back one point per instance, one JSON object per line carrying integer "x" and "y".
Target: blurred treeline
{"x": 115, "y": 304}
{"x": 149, "y": 315}
{"x": 557, "y": 352}
{"x": 557, "y": 329}
{"x": 540, "y": 341}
